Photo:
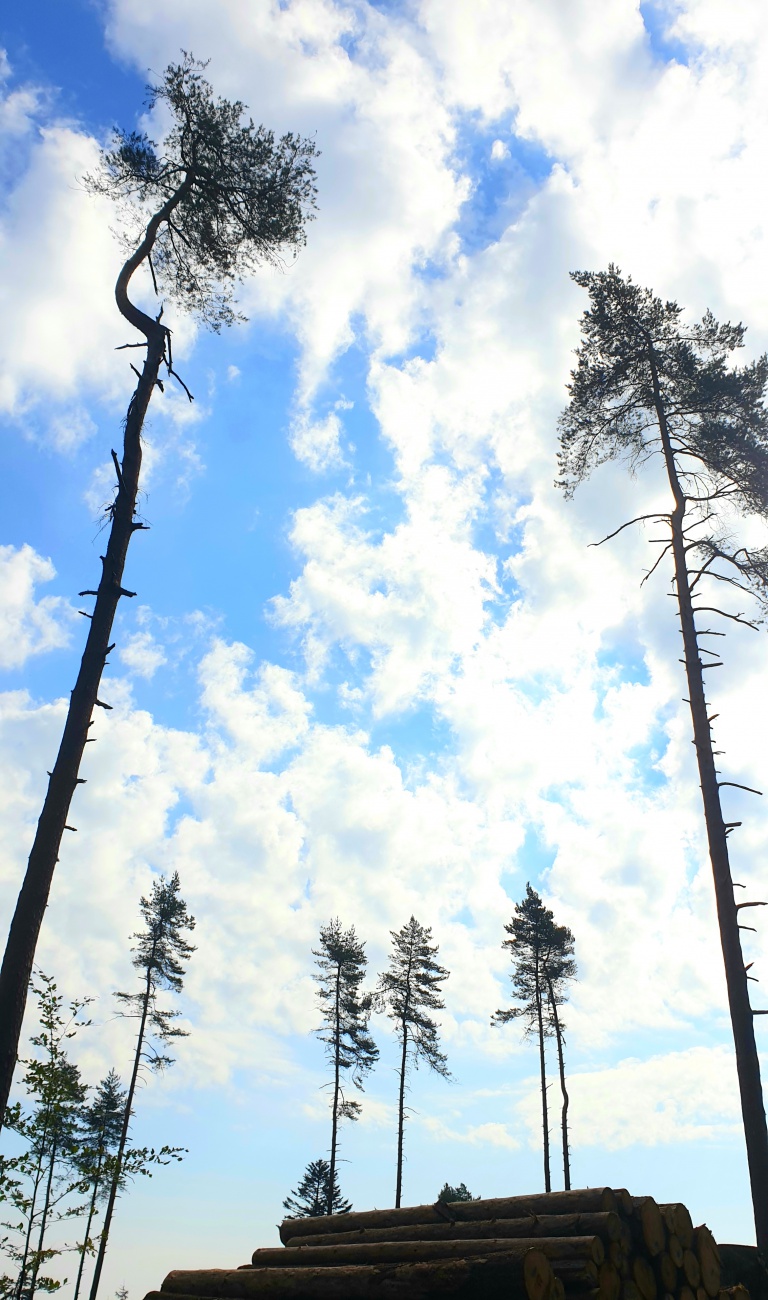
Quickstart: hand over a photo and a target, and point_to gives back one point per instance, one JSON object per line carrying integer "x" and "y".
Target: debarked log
{"x": 562, "y": 1249}
{"x": 607, "y": 1226}
{"x": 494, "y": 1277}
{"x": 589, "y": 1200}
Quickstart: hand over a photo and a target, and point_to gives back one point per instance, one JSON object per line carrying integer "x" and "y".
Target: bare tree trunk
{"x": 43, "y": 1224}
{"x": 91, "y": 1212}
{"x": 123, "y": 1138}
{"x": 336, "y": 1085}
{"x": 747, "y": 1062}
{"x": 33, "y": 897}
{"x": 543, "y": 1069}
{"x": 401, "y": 1117}
{"x": 563, "y": 1089}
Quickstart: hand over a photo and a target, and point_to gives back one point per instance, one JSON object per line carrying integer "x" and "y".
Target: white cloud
{"x": 142, "y": 655}
{"x": 29, "y": 626}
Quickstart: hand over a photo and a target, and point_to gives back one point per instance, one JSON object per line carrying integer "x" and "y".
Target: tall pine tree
{"x": 648, "y": 385}
{"x": 407, "y": 991}
{"x": 217, "y": 199}
{"x": 346, "y": 1009}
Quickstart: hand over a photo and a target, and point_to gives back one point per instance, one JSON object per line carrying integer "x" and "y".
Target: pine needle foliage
{"x": 240, "y": 197}
{"x": 316, "y": 1192}
{"x": 407, "y": 991}
{"x": 349, "y": 1047}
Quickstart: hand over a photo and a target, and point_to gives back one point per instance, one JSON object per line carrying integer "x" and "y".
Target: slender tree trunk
{"x": 91, "y": 1211}
{"x": 747, "y": 1062}
{"x": 336, "y": 1085}
{"x": 401, "y": 1116}
{"x": 43, "y": 1224}
{"x": 64, "y": 778}
{"x": 123, "y": 1138}
{"x": 563, "y": 1089}
{"x": 33, "y": 1202}
{"x": 543, "y": 1077}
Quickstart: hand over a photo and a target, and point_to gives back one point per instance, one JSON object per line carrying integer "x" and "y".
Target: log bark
{"x": 564, "y": 1249}
{"x": 679, "y": 1222}
{"x": 675, "y": 1248}
{"x": 650, "y": 1224}
{"x": 589, "y": 1200}
{"x": 607, "y": 1226}
{"x": 496, "y": 1277}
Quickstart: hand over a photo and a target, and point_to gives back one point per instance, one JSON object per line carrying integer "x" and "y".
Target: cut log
{"x": 588, "y": 1201}
{"x": 675, "y": 1248}
{"x": 608, "y": 1282}
{"x": 644, "y": 1278}
{"x": 557, "y": 1290}
{"x": 576, "y": 1274}
{"x": 607, "y": 1226}
{"x": 666, "y": 1272}
{"x": 679, "y": 1221}
{"x": 562, "y": 1249}
{"x": 629, "y": 1291}
{"x": 692, "y": 1271}
{"x": 701, "y": 1294}
{"x": 685, "y": 1293}
{"x": 624, "y": 1200}
{"x": 616, "y": 1255}
{"x": 493, "y": 1277}
{"x": 709, "y": 1259}
{"x": 650, "y": 1224}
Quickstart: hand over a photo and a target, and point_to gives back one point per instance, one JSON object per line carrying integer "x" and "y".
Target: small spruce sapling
{"x": 318, "y": 1193}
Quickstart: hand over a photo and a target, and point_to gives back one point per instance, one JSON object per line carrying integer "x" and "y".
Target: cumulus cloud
{"x": 29, "y": 625}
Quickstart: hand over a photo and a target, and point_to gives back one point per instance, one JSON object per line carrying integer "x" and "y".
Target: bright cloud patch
{"x": 29, "y": 626}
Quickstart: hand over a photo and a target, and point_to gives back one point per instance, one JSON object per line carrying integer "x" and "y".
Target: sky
{"x": 374, "y": 666}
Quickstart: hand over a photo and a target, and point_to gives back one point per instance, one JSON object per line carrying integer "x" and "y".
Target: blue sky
{"x": 373, "y": 667}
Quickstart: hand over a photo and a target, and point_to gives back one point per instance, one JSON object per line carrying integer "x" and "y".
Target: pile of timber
{"x": 597, "y": 1244}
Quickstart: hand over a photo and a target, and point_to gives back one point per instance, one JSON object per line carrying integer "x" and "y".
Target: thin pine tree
{"x": 410, "y": 988}
{"x": 649, "y": 385}
{"x": 346, "y": 1009}
{"x": 158, "y": 955}
{"x": 100, "y": 1130}
{"x": 559, "y": 969}
{"x": 529, "y": 944}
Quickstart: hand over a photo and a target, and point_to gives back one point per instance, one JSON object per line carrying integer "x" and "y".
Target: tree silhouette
{"x": 219, "y": 198}
{"x": 346, "y": 1011}
{"x": 559, "y": 969}
{"x": 158, "y": 955}
{"x": 647, "y": 385}
{"x": 317, "y": 1193}
{"x": 406, "y": 991}
{"x": 100, "y": 1128}
{"x": 460, "y": 1193}
{"x": 530, "y": 941}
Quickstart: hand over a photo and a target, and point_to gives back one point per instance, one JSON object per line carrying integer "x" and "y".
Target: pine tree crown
{"x": 411, "y": 984}
{"x": 245, "y": 197}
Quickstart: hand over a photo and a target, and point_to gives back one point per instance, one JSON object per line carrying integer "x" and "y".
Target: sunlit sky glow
{"x": 373, "y": 667}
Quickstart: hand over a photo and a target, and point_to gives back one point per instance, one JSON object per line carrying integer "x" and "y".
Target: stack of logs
{"x": 597, "y": 1244}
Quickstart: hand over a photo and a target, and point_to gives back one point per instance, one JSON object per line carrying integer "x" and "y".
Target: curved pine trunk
{"x": 401, "y": 1116}
{"x": 64, "y": 778}
{"x": 747, "y": 1062}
